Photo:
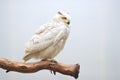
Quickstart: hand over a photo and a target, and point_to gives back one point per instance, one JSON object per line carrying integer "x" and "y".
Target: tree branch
{"x": 9, "y": 65}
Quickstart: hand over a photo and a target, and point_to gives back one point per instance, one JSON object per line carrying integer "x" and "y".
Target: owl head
{"x": 62, "y": 17}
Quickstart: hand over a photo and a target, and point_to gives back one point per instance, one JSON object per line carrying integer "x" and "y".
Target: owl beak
{"x": 68, "y": 22}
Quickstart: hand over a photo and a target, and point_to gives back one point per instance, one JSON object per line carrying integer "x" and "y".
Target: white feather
{"x": 48, "y": 40}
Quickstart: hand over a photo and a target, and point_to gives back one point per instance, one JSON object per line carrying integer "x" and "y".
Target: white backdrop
{"x": 94, "y": 41}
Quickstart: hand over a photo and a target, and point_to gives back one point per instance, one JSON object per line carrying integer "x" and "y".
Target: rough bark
{"x": 9, "y": 65}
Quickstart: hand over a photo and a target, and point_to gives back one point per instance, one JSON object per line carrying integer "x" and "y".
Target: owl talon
{"x": 52, "y": 72}
{"x": 51, "y": 60}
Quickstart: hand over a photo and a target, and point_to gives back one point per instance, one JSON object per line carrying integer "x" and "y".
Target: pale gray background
{"x": 94, "y": 41}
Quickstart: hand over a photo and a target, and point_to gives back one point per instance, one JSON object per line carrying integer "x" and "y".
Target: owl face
{"x": 63, "y": 17}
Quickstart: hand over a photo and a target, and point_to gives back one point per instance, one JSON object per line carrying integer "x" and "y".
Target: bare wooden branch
{"x": 9, "y": 65}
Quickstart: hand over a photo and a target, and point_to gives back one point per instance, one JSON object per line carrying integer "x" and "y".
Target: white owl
{"x": 49, "y": 39}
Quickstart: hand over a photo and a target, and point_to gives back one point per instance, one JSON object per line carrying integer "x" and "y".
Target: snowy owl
{"x": 49, "y": 39}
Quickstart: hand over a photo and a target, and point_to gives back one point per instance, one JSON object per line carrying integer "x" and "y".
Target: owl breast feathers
{"x": 49, "y": 39}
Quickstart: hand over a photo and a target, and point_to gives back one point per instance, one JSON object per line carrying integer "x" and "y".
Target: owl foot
{"x": 50, "y": 60}
{"x": 53, "y": 61}
{"x": 52, "y": 72}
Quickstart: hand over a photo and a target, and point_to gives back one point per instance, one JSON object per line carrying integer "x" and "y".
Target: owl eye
{"x": 64, "y": 18}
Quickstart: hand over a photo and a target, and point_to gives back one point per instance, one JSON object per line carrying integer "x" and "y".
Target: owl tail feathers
{"x": 27, "y": 57}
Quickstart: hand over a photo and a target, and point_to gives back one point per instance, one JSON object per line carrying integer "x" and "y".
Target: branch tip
{"x": 77, "y": 71}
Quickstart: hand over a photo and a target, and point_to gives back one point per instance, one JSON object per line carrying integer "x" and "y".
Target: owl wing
{"x": 42, "y": 41}
{"x": 60, "y": 36}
